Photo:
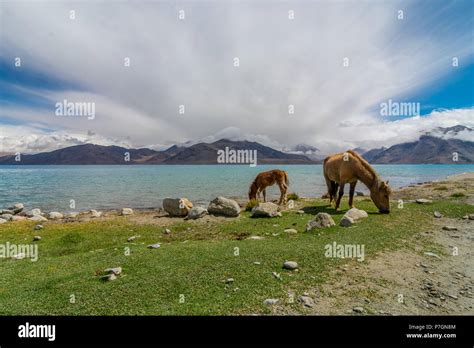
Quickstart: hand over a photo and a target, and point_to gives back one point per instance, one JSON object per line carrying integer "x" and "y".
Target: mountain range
{"x": 436, "y": 146}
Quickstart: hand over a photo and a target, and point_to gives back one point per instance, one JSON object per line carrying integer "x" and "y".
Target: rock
{"x": 2, "y": 221}
{"x": 270, "y": 301}
{"x": 224, "y": 206}
{"x": 8, "y": 211}
{"x": 113, "y": 270}
{"x": 167, "y": 231}
{"x": 306, "y": 301}
{"x": 300, "y": 212}
{"x": 16, "y": 208}
{"x": 95, "y": 214}
{"x": 267, "y": 209}
{"x": 291, "y": 265}
{"x": 36, "y": 238}
{"x": 37, "y": 218}
{"x": 432, "y": 255}
{"x": 154, "y": 246}
{"x": 358, "y": 309}
{"x": 229, "y": 280}
{"x": 277, "y": 275}
{"x": 437, "y": 214}
{"x": 18, "y": 218}
{"x": 132, "y": 238}
{"x": 257, "y": 263}
{"x": 71, "y": 215}
{"x": 126, "y": 211}
{"x": 291, "y": 231}
{"x": 109, "y": 277}
{"x": 321, "y": 220}
{"x": 450, "y": 228}
{"x": 360, "y": 194}
{"x": 177, "y": 206}
{"x": 471, "y": 216}
{"x": 346, "y": 221}
{"x": 196, "y": 213}
{"x": 7, "y": 217}
{"x": 356, "y": 214}
{"x": 54, "y": 215}
{"x": 38, "y": 227}
{"x": 32, "y": 212}
{"x": 423, "y": 201}
{"x": 255, "y": 238}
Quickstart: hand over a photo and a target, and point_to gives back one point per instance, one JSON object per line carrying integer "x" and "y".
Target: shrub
{"x": 293, "y": 196}
{"x": 458, "y": 194}
{"x": 252, "y": 203}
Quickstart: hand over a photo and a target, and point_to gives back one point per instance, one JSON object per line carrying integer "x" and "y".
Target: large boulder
{"x": 196, "y": 213}
{"x": 37, "y": 218}
{"x": 356, "y": 214}
{"x": 177, "y": 206}
{"x": 54, "y": 215}
{"x": 31, "y": 213}
{"x": 18, "y": 218}
{"x": 16, "y": 208}
{"x": 352, "y": 216}
{"x": 267, "y": 209}
{"x": 126, "y": 211}
{"x": 321, "y": 220}
{"x": 224, "y": 206}
{"x": 2, "y": 221}
{"x": 7, "y": 217}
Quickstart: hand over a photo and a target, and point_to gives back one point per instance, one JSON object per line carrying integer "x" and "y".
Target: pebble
{"x": 109, "y": 277}
{"x": 154, "y": 246}
{"x": 255, "y": 238}
{"x": 256, "y": 263}
{"x": 300, "y": 212}
{"x": 432, "y": 255}
{"x": 113, "y": 270}
{"x": 291, "y": 265}
{"x": 229, "y": 280}
{"x": 450, "y": 228}
{"x": 437, "y": 214}
{"x": 167, "y": 231}
{"x": 277, "y": 275}
{"x": 36, "y": 238}
{"x": 306, "y": 301}
{"x": 291, "y": 231}
{"x": 38, "y": 227}
{"x": 358, "y": 309}
{"x": 270, "y": 301}
{"x": 132, "y": 238}
{"x": 423, "y": 201}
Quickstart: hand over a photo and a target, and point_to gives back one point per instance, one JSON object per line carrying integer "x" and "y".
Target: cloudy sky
{"x": 335, "y": 62}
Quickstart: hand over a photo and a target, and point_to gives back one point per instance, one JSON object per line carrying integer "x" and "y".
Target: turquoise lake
{"x": 51, "y": 187}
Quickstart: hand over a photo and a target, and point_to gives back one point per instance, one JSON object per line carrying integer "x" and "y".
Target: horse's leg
{"x": 341, "y": 193}
{"x": 351, "y": 193}
{"x": 264, "y": 195}
{"x": 334, "y": 192}
{"x": 329, "y": 185}
{"x": 282, "y": 188}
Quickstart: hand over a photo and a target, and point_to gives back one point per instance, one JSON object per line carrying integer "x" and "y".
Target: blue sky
{"x": 191, "y": 62}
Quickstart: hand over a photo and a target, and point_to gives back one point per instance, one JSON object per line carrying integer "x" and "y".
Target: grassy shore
{"x": 187, "y": 274}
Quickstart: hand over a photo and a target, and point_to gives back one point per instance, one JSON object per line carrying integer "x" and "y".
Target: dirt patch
{"x": 407, "y": 281}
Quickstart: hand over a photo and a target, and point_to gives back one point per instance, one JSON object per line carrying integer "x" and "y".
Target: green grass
{"x": 194, "y": 260}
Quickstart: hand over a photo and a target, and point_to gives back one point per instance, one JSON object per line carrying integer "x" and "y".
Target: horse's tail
{"x": 287, "y": 181}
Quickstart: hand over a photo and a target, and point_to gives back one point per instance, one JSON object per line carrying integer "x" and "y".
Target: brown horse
{"x": 349, "y": 167}
{"x": 269, "y": 178}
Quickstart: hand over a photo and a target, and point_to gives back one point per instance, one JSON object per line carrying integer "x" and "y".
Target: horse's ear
{"x": 387, "y": 182}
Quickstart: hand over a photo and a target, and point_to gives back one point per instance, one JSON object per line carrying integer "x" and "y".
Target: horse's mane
{"x": 365, "y": 164}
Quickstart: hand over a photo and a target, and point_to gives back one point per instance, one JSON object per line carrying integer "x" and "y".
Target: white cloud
{"x": 190, "y": 62}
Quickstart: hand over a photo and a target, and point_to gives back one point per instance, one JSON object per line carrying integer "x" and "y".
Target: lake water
{"x": 51, "y": 187}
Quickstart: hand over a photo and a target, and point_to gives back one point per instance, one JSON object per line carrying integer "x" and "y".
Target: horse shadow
{"x": 313, "y": 210}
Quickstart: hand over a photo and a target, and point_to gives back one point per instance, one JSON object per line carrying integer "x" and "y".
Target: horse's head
{"x": 253, "y": 191}
{"x": 380, "y": 195}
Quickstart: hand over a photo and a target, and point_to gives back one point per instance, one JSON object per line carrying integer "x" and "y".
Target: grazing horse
{"x": 349, "y": 167}
{"x": 269, "y": 178}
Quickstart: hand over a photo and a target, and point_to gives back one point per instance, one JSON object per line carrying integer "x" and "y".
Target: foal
{"x": 269, "y": 178}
